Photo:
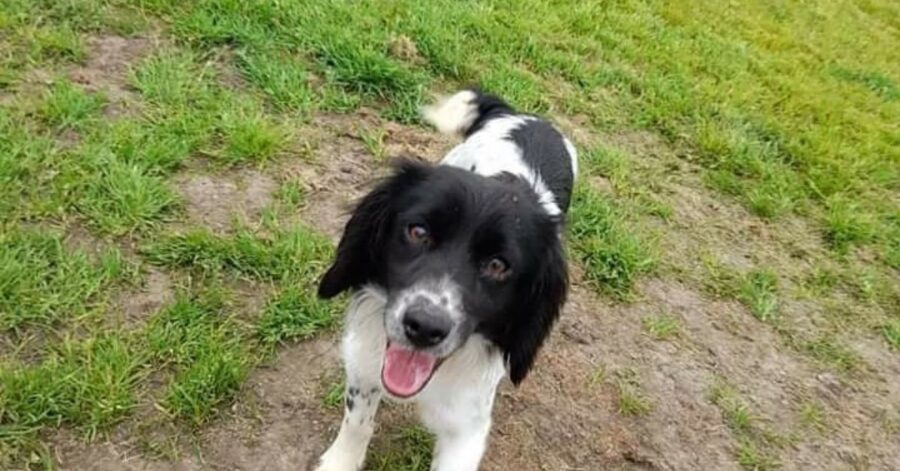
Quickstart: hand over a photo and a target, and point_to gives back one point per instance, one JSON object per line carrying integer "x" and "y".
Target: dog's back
{"x": 499, "y": 139}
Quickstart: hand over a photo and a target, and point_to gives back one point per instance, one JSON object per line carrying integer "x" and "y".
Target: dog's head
{"x": 456, "y": 254}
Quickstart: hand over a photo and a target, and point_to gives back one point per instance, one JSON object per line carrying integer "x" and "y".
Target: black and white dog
{"x": 458, "y": 274}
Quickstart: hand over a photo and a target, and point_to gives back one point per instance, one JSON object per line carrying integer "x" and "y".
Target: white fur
{"x": 573, "y": 154}
{"x": 454, "y": 114}
{"x": 455, "y": 405}
{"x": 489, "y": 152}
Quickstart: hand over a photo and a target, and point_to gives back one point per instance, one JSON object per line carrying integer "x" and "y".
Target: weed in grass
{"x": 295, "y": 314}
{"x": 611, "y": 252}
{"x": 407, "y": 450}
{"x": 759, "y": 291}
{"x": 891, "y": 332}
{"x": 122, "y": 197}
{"x": 66, "y": 106}
{"x": 42, "y": 282}
{"x": 661, "y": 327}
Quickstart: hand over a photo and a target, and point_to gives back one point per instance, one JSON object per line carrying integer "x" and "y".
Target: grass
{"x": 759, "y": 291}
{"x": 612, "y": 254}
{"x": 42, "y": 282}
{"x": 408, "y": 449}
{"x": 757, "y": 447}
{"x": 631, "y": 401}
{"x": 661, "y": 327}
{"x": 65, "y": 106}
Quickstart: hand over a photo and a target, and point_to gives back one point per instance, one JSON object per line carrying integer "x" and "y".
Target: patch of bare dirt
{"x": 218, "y": 200}
{"x": 106, "y": 69}
{"x": 138, "y": 305}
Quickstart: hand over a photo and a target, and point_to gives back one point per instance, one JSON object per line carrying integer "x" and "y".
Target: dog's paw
{"x": 335, "y": 460}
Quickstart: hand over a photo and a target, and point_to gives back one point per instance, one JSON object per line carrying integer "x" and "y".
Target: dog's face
{"x": 456, "y": 253}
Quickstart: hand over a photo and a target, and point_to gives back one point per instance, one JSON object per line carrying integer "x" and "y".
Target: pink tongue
{"x": 405, "y": 372}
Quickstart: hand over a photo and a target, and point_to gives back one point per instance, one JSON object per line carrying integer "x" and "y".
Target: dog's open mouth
{"x": 406, "y": 372}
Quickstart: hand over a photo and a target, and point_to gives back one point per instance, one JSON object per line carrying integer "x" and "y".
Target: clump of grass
{"x": 206, "y": 351}
{"x": 42, "y": 282}
{"x": 373, "y": 139}
{"x": 631, "y": 402}
{"x": 661, "y": 327}
{"x": 291, "y": 194}
{"x": 891, "y": 332}
{"x": 334, "y": 395}
{"x": 759, "y": 291}
{"x": 122, "y": 197}
{"x": 89, "y": 384}
{"x": 59, "y": 42}
{"x": 831, "y": 352}
{"x": 845, "y": 224}
{"x": 66, "y": 106}
{"x": 611, "y": 252}
{"x": 295, "y": 314}
{"x": 751, "y": 457}
{"x": 296, "y": 254}
{"x": 249, "y": 135}
{"x": 756, "y": 444}
{"x": 172, "y": 79}
{"x": 812, "y": 415}
{"x": 284, "y": 79}
{"x": 408, "y": 450}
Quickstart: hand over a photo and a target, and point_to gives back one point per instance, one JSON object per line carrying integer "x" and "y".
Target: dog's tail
{"x": 465, "y": 112}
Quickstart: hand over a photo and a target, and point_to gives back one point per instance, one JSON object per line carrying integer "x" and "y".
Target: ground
{"x": 174, "y": 177}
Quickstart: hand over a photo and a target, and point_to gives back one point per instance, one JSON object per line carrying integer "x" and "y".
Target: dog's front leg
{"x": 362, "y": 350}
{"x": 348, "y": 451}
{"x": 461, "y": 427}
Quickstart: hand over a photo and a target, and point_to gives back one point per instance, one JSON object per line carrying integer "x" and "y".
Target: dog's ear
{"x": 361, "y": 250}
{"x": 537, "y": 312}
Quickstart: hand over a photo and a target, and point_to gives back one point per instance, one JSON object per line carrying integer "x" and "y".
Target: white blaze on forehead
{"x": 444, "y": 293}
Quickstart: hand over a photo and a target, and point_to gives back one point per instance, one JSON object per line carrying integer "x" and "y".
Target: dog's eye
{"x": 418, "y": 234}
{"x": 496, "y": 268}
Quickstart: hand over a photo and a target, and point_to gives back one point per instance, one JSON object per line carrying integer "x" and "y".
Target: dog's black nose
{"x": 424, "y": 329}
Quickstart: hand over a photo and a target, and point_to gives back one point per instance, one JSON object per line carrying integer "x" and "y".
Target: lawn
{"x": 173, "y": 176}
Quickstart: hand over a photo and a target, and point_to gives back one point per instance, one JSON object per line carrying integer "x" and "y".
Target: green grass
{"x": 759, "y": 291}
{"x": 42, "y": 282}
{"x": 206, "y": 353}
{"x": 612, "y": 254}
{"x": 66, "y": 106}
{"x": 757, "y": 446}
{"x": 891, "y": 333}
{"x": 295, "y": 314}
{"x": 408, "y": 449}
{"x": 630, "y": 400}
{"x": 295, "y": 254}
{"x": 832, "y": 353}
{"x": 661, "y": 327}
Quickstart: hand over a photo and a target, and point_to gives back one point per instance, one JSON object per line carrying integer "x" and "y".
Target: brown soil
{"x": 106, "y": 69}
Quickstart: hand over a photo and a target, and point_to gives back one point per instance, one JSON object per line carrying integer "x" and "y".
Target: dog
{"x": 458, "y": 273}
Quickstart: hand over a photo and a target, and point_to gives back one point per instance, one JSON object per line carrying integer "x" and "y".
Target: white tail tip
{"x": 454, "y": 114}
